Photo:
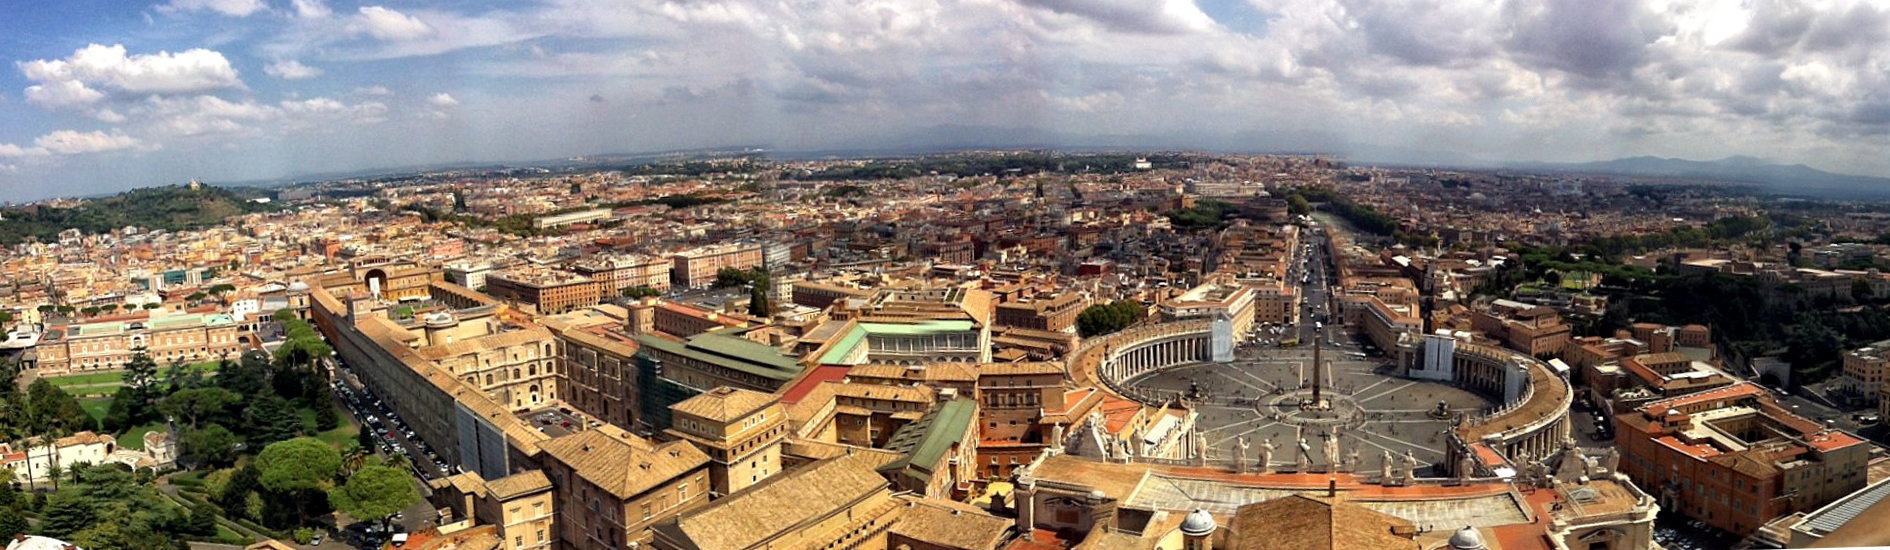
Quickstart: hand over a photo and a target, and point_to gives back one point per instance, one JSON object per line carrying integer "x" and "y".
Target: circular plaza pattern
{"x": 1265, "y": 396}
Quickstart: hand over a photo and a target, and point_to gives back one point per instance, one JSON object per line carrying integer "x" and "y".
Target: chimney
{"x": 1332, "y": 487}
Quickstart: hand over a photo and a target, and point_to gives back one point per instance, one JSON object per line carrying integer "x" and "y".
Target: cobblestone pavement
{"x": 1257, "y": 397}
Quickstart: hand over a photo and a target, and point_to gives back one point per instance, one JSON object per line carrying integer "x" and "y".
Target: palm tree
{"x": 52, "y": 472}
{"x": 355, "y": 459}
{"x": 52, "y": 434}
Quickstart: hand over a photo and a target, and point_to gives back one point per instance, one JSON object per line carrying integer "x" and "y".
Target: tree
{"x": 65, "y": 514}
{"x": 325, "y": 417}
{"x": 108, "y": 308}
{"x": 1100, "y": 319}
{"x": 90, "y": 311}
{"x": 6, "y": 318}
{"x": 1296, "y": 204}
{"x": 107, "y": 482}
{"x": 269, "y": 418}
{"x": 459, "y": 201}
{"x": 374, "y": 492}
{"x": 54, "y": 408}
{"x": 640, "y": 292}
{"x": 364, "y": 439}
{"x": 214, "y": 444}
{"x": 244, "y": 377}
{"x": 11, "y": 523}
{"x": 196, "y": 404}
{"x": 758, "y": 304}
{"x": 1861, "y": 291}
{"x": 141, "y": 373}
{"x": 196, "y": 296}
{"x": 296, "y": 466}
{"x": 153, "y": 305}
{"x": 233, "y": 495}
{"x": 202, "y": 520}
{"x": 124, "y": 411}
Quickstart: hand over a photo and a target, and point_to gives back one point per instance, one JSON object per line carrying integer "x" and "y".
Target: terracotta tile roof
{"x": 724, "y": 404}
{"x": 1025, "y": 368}
{"x": 532, "y": 336}
{"x": 1038, "y": 539}
{"x": 522, "y": 483}
{"x": 755, "y": 514}
{"x": 621, "y": 463}
{"x": 1099, "y": 539}
{"x": 950, "y": 525}
{"x": 912, "y": 394}
{"x": 1299, "y": 522}
{"x": 1659, "y": 408}
{"x": 810, "y": 379}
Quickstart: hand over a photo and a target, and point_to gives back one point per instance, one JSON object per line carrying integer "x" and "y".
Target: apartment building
{"x": 611, "y": 486}
{"x": 108, "y": 345}
{"x": 551, "y": 291}
{"x": 1213, "y": 300}
{"x": 616, "y": 273}
{"x": 521, "y": 506}
{"x": 1055, "y": 312}
{"x": 696, "y": 267}
{"x": 1531, "y": 329}
{"x": 741, "y": 431}
{"x": 1735, "y": 459}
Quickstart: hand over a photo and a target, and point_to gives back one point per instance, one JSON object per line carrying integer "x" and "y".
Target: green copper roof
{"x": 728, "y": 351}
{"x": 927, "y": 439}
{"x": 836, "y": 354}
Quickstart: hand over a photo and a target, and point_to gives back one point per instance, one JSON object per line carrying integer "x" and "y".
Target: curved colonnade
{"x": 1530, "y": 421}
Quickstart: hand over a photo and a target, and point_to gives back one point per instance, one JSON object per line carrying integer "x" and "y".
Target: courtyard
{"x": 1265, "y": 396}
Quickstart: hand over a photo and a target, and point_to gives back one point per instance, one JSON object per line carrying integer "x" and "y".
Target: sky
{"x": 98, "y": 96}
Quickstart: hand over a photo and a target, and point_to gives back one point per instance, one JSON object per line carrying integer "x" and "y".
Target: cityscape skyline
{"x": 105, "y": 97}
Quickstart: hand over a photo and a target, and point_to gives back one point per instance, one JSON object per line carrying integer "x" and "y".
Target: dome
{"x": 1466, "y": 539}
{"x": 1198, "y": 524}
{"x": 440, "y": 320}
{"x": 298, "y": 286}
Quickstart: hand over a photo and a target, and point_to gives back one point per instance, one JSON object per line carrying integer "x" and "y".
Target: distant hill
{"x": 172, "y": 208}
{"x": 1796, "y": 179}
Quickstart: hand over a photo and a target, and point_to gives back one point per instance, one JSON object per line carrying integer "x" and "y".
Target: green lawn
{"x": 342, "y": 437}
{"x": 118, "y": 377}
{"x": 88, "y": 379}
{"x": 97, "y": 407}
{"x": 134, "y": 438}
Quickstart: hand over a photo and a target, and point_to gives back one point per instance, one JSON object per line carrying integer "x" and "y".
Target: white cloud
{"x": 10, "y": 150}
{"x": 290, "y": 69}
{"x": 442, "y": 99}
{"x": 374, "y": 90}
{"x": 309, "y": 9}
{"x": 189, "y": 71}
{"x": 386, "y": 24}
{"x": 233, "y": 8}
{"x": 200, "y": 116}
{"x": 62, "y": 94}
{"x": 72, "y": 142}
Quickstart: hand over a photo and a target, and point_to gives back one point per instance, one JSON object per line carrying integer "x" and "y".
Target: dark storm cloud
{"x": 1136, "y": 16}
{"x": 1776, "y": 27}
{"x": 1597, "y": 39}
